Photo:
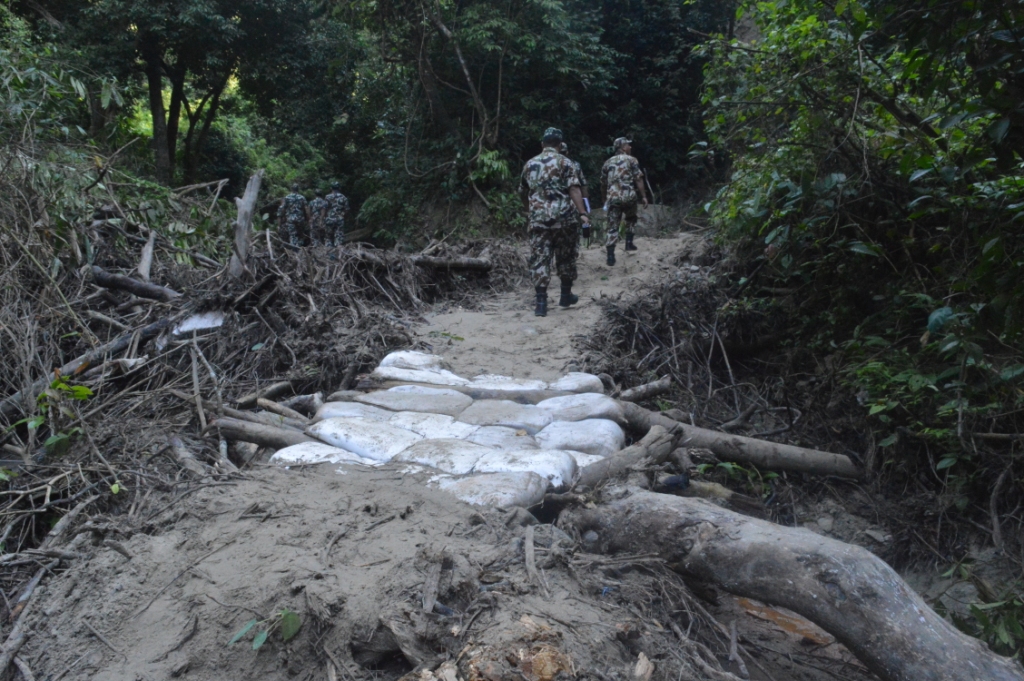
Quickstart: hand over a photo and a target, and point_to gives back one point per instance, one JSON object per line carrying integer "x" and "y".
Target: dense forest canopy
{"x": 861, "y": 160}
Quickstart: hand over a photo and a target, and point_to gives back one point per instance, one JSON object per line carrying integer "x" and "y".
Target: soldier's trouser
{"x": 559, "y": 243}
{"x": 317, "y": 234}
{"x": 295, "y": 232}
{"x": 334, "y": 232}
{"x": 616, "y": 214}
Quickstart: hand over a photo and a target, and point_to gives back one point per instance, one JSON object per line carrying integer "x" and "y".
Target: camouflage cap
{"x": 621, "y": 141}
{"x": 552, "y": 133}
{"x": 295, "y": 186}
{"x": 336, "y": 185}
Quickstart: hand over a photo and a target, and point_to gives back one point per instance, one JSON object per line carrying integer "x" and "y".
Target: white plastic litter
{"x": 506, "y": 413}
{"x": 503, "y": 438}
{"x": 433, "y": 425}
{"x": 583, "y": 460}
{"x": 199, "y": 322}
{"x": 365, "y": 437}
{"x": 451, "y": 456}
{"x": 584, "y": 406}
{"x": 353, "y": 410}
{"x": 578, "y": 382}
{"x": 317, "y": 452}
{"x": 555, "y": 466}
{"x": 495, "y": 382}
{"x": 503, "y": 490}
{"x": 410, "y": 359}
{"x": 453, "y": 405}
{"x": 428, "y": 376}
{"x": 590, "y": 436}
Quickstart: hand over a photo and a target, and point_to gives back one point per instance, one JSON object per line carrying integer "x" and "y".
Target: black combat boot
{"x": 542, "y": 302}
{"x": 611, "y": 255}
{"x": 629, "y": 243}
{"x": 567, "y": 298}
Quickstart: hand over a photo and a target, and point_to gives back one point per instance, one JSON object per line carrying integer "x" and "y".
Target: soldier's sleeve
{"x": 524, "y": 186}
{"x": 572, "y": 179}
{"x": 634, "y": 166}
{"x": 604, "y": 175}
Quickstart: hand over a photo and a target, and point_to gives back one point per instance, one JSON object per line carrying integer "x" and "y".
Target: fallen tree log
{"x": 737, "y": 448}
{"x": 647, "y": 391}
{"x": 846, "y": 590}
{"x": 280, "y": 410}
{"x": 265, "y": 418}
{"x": 139, "y": 288}
{"x": 186, "y": 458}
{"x": 270, "y": 392}
{"x": 458, "y": 263}
{"x": 257, "y": 433}
{"x": 243, "y": 225}
{"x": 10, "y": 405}
{"x": 657, "y": 446}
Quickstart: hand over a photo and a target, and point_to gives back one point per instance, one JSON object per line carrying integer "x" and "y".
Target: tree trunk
{"x": 150, "y": 49}
{"x": 846, "y": 590}
{"x": 657, "y": 446}
{"x": 257, "y": 433}
{"x": 243, "y": 225}
{"x": 139, "y": 288}
{"x": 177, "y": 78}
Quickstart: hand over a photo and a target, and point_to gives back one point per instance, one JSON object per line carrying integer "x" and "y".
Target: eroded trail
{"x": 504, "y": 337}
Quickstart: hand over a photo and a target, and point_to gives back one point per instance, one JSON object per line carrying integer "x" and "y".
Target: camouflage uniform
{"x": 545, "y": 182}
{"x": 293, "y": 209}
{"x": 578, "y": 222}
{"x": 619, "y": 176}
{"x": 317, "y": 208}
{"x": 334, "y": 223}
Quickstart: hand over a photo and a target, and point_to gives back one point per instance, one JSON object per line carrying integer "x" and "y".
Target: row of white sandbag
{"x": 419, "y": 367}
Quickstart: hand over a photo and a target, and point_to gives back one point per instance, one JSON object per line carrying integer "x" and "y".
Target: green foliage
{"x": 284, "y": 620}
{"x": 866, "y": 176}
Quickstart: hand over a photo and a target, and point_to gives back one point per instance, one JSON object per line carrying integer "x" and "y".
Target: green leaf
{"x": 859, "y": 15}
{"x": 938, "y": 319}
{"x": 115, "y": 488}
{"x": 889, "y": 441}
{"x": 945, "y": 463}
{"x": 81, "y": 392}
{"x": 242, "y": 632}
{"x": 841, "y": 7}
{"x": 290, "y": 624}
{"x": 861, "y": 247}
{"x": 260, "y": 639}
{"x": 876, "y": 408}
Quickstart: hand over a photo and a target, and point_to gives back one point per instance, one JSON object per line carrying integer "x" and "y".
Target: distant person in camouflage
{"x": 318, "y": 211}
{"x": 623, "y": 181}
{"x": 334, "y": 222}
{"x": 564, "y": 150}
{"x": 550, "y": 190}
{"x": 293, "y": 218}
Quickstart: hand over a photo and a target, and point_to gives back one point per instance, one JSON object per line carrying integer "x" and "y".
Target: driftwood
{"x": 280, "y": 410}
{"x": 274, "y": 420}
{"x": 647, "y": 391}
{"x": 657, "y": 446}
{"x": 187, "y": 459}
{"x": 270, "y": 392}
{"x": 463, "y": 263}
{"x": 307, "y": 405}
{"x": 257, "y": 433}
{"x": 763, "y": 453}
{"x": 12, "y": 404}
{"x": 243, "y": 225}
{"x": 139, "y": 288}
{"x": 146, "y": 259}
{"x": 846, "y": 590}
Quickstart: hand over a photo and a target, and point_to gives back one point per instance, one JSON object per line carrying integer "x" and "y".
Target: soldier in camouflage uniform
{"x": 293, "y": 218}
{"x": 622, "y": 180}
{"x": 318, "y": 210}
{"x": 551, "y": 193}
{"x": 564, "y": 150}
{"x": 334, "y": 222}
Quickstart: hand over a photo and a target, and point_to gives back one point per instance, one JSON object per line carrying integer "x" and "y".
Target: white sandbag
{"x": 449, "y": 455}
{"x": 365, "y": 437}
{"x": 506, "y": 413}
{"x": 583, "y": 460}
{"x": 352, "y": 410}
{"x": 410, "y": 359}
{"x": 500, "y": 437}
{"x": 428, "y": 376}
{"x": 584, "y": 406}
{"x": 557, "y": 467}
{"x": 453, "y": 405}
{"x": 577, "y": 382}
{"x": 317, "y": 452}
{"x": 433, "y": 426}
{"x": 495, "y": 382}
{"x": 502, "y": 490}
{"x": 590, "y": 436}
{"x": 423, "y": 390}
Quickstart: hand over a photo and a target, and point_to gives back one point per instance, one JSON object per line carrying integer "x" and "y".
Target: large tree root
{"x": 846, "y": 590}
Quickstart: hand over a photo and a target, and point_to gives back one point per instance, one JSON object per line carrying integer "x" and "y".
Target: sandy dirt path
{"x": 504, "y": 337}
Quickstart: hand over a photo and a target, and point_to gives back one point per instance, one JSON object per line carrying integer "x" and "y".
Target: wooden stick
{"x": 280, "y": 409}
{"x": 460, "y": 263}
{"x": 146, "y": 259}
{"x": 187, "y": 459}
{"x": 139, "y": 288}
{"x": 270, "y": 392}
{"x": 258, "y": 433}
{"x": 647, "y": 391}
{"x": 657, "y": 446}
{"x": 243, "y": 225}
